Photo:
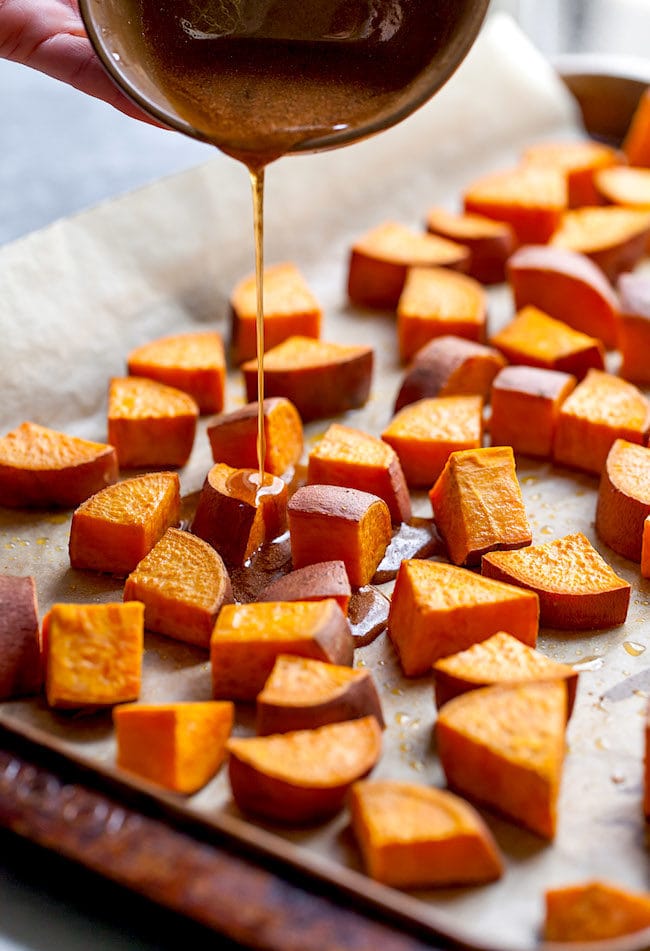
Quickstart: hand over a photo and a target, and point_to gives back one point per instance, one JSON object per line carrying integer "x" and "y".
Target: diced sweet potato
{"x": 601, "y": 409}
{"x": 237, "y": 517}
{"x": 625, "y": 186}
{"x": 413, "y": 836}
{"x": 247, "y": 639}
{"x": 380, "y": 260}
{"x": 634, "y": 327}
{"x": 233, "y": 436}
{"x": 349, "y": 457}
{"x": 321, "y": 379}
{"x": 438, "y": 609}
{"x": 614, "y": 238}
{"x": 636, "y": 144}
{"x": 179, "y": 746}
{"x": 290, "y": 309}
{"x": 477, "y": 504}
{"x": 580, "y": 161}
{"x": 450, "y": 366}
{"x": 302, "y": 694}
{"x": 192, "y": 362}
{"x": 21, "y": 669}
{"x": 118, "y": 526}
{"x": 526, "y": 403}
{"x": 534, "y": 339}
{"x": 302, "y": 777}
{"x": 325, "y": 579}
{"x": 565, "y": 285}
{"x": 624, "y": 498}
{"x": 41, "y": 467}
{"x": 528, "y": 198}
{"x": 645, "y": 548}
{"x": 489, "y": 242}
{"x": 577, "y": 589}
{"x": 183, "y": 584}
{"x": 150, "y": 423}
{"x": 424, "y": 434}
{"x": 351, "y": 526}
{"x": 594, "y": 911}
{"x": 504, "y": 747}
{"x": 93, "y": 653}
{"x": 437, "y": 302}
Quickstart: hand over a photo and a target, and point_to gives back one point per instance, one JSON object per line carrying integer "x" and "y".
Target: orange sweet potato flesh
{"x": 192, "y": 362}
{"x": 40, "y": 467}
{"x": 626, "y": 186}
{"x": 290, "y": 308}
{"x": 350, "y": 457}
{"x": 117, "y": 527}
{"x": 580, "y": 161}
{"x": 179, "y": 746}
{"x": 594, "y": 911}
{"x": 489, "y": 242}
{"x": 303, "y": 694}
{"x": 380, "y": 261}
{"x": 183, "y": 584}
{"x": 424, "y": 434}
{"x": 320, "y": 378}
{"x": 234, "y": 517}
{"x": 601, "y": 409}
{"x": 413, "y": 836}
{"x": 324, "y": 579}
{"x": 636, "y": 144}
{"x": 501, "y": 659}
{"x": 150, "y": 423}
{"x": 477, "y": 504}
{"x": 576, "y": 587}
{"x": 233, "y": 436}
{"x": 528, "y": 198}
{"x": 624, "y": 498}
{"x": 93, "y": 653}
{"x": 438, "y": 609}
{"x": 634, "y": 327}
{"x": 20, "y": 639}
{"x": 614, "y": 238}
{"x": 303, "y": 776}
{"x": 503, "y": 746}
{"x": 526, "y": 404}
{"x": 247, "y": 639}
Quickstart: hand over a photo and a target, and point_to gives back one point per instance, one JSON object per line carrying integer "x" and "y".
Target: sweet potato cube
{"x": 302, "y": 694}
{"x": 233, "y": 436}
{"x": 450, "y": 366}
{"x": 413, "y": 836}
{"x": 438, "y": 610}
{"x": 645, "y": 548}
{"x": 490, "y": 243}
{"x": 351, "y": 526}
{"x": 150, "y": 423}
{"x": 41, "y": 467}
{"x": 534, "y": 339}
{"x": 436, "y": 302}
{"x": 424, "y": 434}
{"x": 634, "y": 327}
{"x": 183, "y": 584}
{"x": 622, "y": 185}
{"x": 477, "y": 504}
{"x": 321, "y": 379}
{"x": 20, "y": 639}
{"x": 192, "y": 362}
{"x": 594, "y": 911}
{"x": 380, "y": 260}
{"x": 235, "y": 517}
{"x": 349, "y": 457}
{"x": 325, "y": 579}
{"x": 577, "y": 589}
{"x": 636, "y": 144}
{"x": 526, "y": 404}
{"x": 624, "y": 498}
{"x": 118, "y": 526}
{"x": 614, "y": 238}
{"x": 504, "y": 747}
{"x": 568, "y": 286}
{"x": 601, "y": 409}
{"x": 528, "y": 198}
{"x": 93, "y": 653}
{"x": 247, "y": 639}
{"x": 290, "y": 309}
{"x": 580, "y": 161}
{"x": 302, "y": 777}
{"x": 179, "y": 746}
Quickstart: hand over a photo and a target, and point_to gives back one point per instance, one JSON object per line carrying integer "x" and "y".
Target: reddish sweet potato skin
{"x": 21, "y": 670}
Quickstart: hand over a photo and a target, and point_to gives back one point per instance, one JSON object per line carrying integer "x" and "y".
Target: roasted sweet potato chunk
{"x": 504, "y": 747}
{"x": 624, "y": 498}
{"x": 302, "y": 777}
{"x": 614, "y": 238}
{"x": 594, "y": 911}
{"x": 324, "y": 579}
{"x": 526, "y": 404}
{"x": 233, "y": 436}
{"x": 528, "y": 198}
{"x": 20, "y": 638}
{"x": 625, "y": 186}
{"x": 41, "y": 467}
{"x": 414, "y": 836}
{"x": 192, "y": 362}
{"x": 636, "y": 144}
{"x": 118, "y": 526}
{"x": 489, "y": 242}
{"x": 634, "y": 327}
{"x": 579, "y": 160}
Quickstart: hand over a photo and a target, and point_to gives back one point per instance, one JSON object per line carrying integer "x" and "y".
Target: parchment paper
{"x": 76, "y": 297}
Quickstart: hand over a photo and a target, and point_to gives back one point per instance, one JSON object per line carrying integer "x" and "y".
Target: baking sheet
{"x": 76, "y": 297}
